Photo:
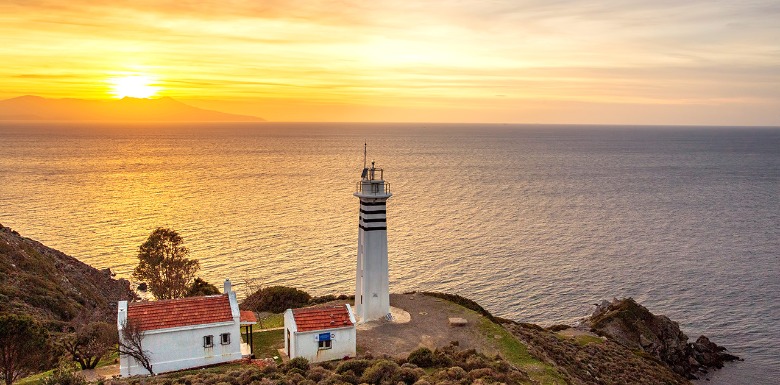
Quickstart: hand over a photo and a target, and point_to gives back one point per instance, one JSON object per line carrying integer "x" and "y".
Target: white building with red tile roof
{"x": 183, "y": 333}
{"x": 320, "y": 333}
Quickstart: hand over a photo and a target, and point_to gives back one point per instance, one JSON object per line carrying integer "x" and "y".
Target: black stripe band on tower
{"x": 374, "y": 220}
{"x": 372, "y": 228}
{"x": 373, "y": 212}
{"x": 372, "y": 203}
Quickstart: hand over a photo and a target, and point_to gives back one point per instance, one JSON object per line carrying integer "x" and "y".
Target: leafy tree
{"x": 164, "y": 266}
{"x": 90, "y": 343}
{"x": 23, "y": 347}
{"x": 200, "y": 287}
{"x": 276, "y": 299}
{"x": 131, "y": 344}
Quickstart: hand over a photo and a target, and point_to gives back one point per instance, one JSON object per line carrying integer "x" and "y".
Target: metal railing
{"x": 372, "y": 188}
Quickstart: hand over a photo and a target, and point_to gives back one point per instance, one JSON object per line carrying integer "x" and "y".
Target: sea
{"x": 535, "y": 222}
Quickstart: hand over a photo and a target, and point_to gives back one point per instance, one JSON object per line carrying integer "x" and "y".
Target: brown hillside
{"x": 52, "y": 286}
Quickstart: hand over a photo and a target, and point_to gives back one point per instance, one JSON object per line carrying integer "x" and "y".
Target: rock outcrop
{"x": 51, "y": 286}
{"x": 593, "y": 361}
{"x": 633, "y": 326}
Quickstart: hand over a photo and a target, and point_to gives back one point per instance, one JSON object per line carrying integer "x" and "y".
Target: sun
{"x": 134, "y": 86}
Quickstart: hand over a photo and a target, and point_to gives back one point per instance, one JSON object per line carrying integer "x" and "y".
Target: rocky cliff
{"x": 52, "y": 286}
{"x": 634, "y": 327}
{"x": 588, "y": 360}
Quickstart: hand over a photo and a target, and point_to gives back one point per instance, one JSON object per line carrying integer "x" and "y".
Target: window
{"x": 224, "y": 338}
{"x": 323, "y": 341}
{"x": 208, "y": 341}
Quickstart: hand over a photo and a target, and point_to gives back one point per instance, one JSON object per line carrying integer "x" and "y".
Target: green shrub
{"x": 300, "y": 363}
{"x": 276, "y": 299}
{"x": 453, "y": 373}
{"x": 269, "y": 369}
{"x": 380, "y": 371}
{"x": 485, "y": 373}
{"x": 408, "y": 375}
{"x": 64, "y": 375}
{"x": 422, "y": 357}
{"x": 357, "y": 367}
{"x": 318, "y": 374}
{"x": 348, "y": 377}
{"x": 329, "y": 365}
{"x": 295, "y": 378}
{"x": 442, "y": 359}
{"x": 475, "y": 362}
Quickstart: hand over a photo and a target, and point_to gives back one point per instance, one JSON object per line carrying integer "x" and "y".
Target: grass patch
{"x": 38, "y": 377}
{"x": 270, "y": 322}
{"x": 516, "y": 353}
{"x": 35, "y": 378}
{"x": 111, "y": 359}
{"x": 267, "y": 343}
{"x": 512, "y": 350}
{"x": 585, "y": 339}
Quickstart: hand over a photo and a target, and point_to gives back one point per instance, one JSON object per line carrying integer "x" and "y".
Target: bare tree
{"x": 131, "y": 345}
{"x": 252, "y": 285}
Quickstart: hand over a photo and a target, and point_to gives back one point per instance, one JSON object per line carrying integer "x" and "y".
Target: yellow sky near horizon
{"x": 616, "y": 61}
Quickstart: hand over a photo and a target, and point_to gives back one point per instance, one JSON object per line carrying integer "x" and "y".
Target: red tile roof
{"x": 320, "y": 318}
{"x": 248, "y": 317}
{"x": 173, "y": 313}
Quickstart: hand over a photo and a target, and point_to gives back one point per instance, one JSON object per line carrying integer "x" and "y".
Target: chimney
{"x": 227, "y": 287}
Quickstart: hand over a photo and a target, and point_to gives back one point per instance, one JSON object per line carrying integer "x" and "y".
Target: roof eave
{"x": 189, "y": 327}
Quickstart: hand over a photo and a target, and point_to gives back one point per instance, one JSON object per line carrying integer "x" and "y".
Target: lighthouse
{"x": 372, "y": 293}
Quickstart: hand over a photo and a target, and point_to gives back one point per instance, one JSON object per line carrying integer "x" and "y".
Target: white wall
{"x": 342, "y": 344}
{"x": 182, "y": 347}
{"x": 304, "y": 344}
{"x": 289, "y": 329}
{"x": 375, "y": 293}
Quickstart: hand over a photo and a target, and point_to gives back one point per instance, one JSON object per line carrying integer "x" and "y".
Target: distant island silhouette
{"x": 166, "y": 109}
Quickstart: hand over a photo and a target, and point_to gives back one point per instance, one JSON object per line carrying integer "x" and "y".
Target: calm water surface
{"x": 533, "y": 222}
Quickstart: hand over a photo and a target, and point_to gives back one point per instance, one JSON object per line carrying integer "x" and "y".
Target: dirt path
{"x": 107, "y": 371}
{"x": 429, "y": 326}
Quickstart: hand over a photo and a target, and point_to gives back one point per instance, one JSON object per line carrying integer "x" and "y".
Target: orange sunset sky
{"x": 535, "y": 61}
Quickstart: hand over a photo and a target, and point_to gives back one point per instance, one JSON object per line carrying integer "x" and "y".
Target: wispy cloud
{"x": 451, "y": 55}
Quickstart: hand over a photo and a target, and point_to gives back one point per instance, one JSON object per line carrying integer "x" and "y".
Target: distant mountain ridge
{"x": 127, "y": 109}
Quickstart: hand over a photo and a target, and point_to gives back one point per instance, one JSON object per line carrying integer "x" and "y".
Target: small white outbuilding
{"x": 320, "y": 333}
{"x": 183, "y": 333}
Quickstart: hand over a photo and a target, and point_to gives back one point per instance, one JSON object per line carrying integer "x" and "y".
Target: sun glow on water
{"x": 134, "y": 86}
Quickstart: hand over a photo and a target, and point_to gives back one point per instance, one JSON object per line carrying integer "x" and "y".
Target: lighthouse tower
{"x": 372, "y": 294}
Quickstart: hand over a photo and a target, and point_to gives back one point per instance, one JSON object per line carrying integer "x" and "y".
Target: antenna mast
{"x": 365, "y": 150}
